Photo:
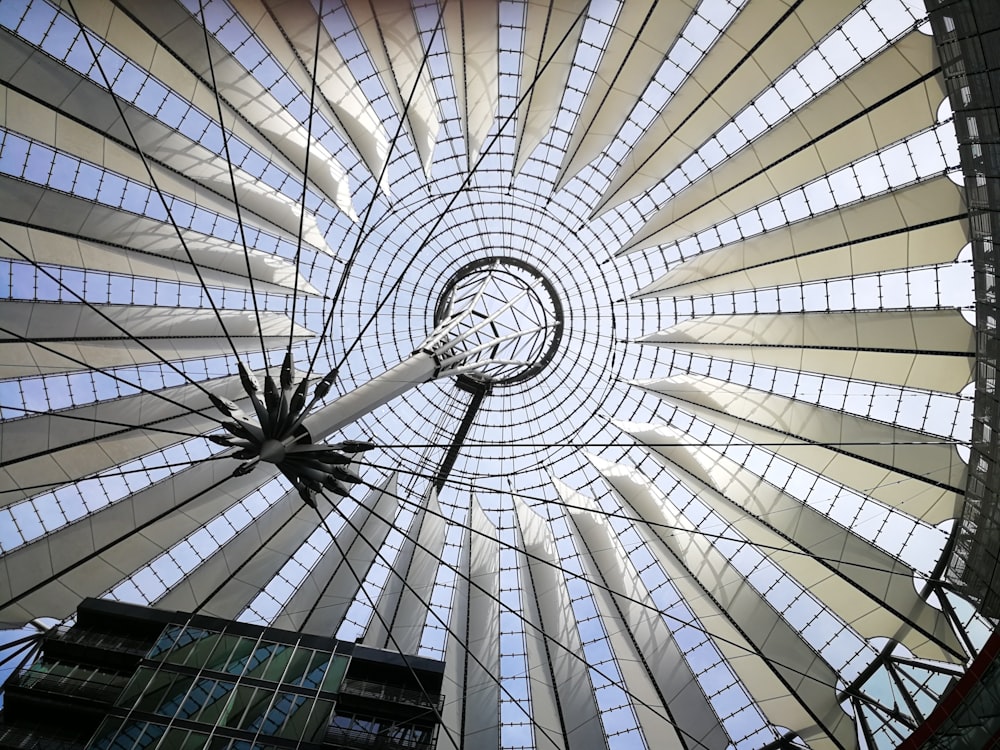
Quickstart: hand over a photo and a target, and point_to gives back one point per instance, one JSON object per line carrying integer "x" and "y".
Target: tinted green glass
{"x": 198, "y": 696}
{"x": 199, "y": 651}
{"x": 318, "y": 720}
{"x": 153, "y": 685}
{"x": 335, "y": 674}
{"x": 181, "y": 739}
{"x": 241, "y": 698}
{"x": 135, "y": 687}
{"x": 297, "y": 722}
{"x": 307, "y": 720}
{"x": 131, "y": 736}
{"x": 165, "y": 642}
{"x": 298, "y": 665}
{"x": 241, "y": 652}
{"x": 220, "y": 654}
{"x": 216, "y": 703}
{"x": 317, "y": 668}
{"x": 275, "y": 669}
{"x": 257, "y": 663}
{"x": 257, "y": 709}
{"x": 105, "y": 733}
{"x": 283, "y": 705}
{"x": 187, "y": 641}
{"x": 174, "y": 694}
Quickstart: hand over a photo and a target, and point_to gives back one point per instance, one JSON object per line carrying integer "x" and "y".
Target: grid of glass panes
{"x": 240, "y": 688}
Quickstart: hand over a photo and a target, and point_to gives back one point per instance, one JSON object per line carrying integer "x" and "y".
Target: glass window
{"x": 317, "y": 668}
{"x": 181, "y": 739}
{"x": 257, "y": 709}
{"x": 187, "y": 641}
{"x": 199, "y": 651}
{"x": 217, "y": 703}
{"x": 279, "y": 661}
{"x": 197, "y": 698}
{"x": 220, "y": 654}
{"x": 241, "y": 652}
{"x": 224, "y": 743}
{"x": 153, "y": 686}
{"x": 165, "y": 642}
{"x": 254, "y": 664}
{"x": 140, "y": 680}
{"x": 105, "y": 733}
{"x": 173, "y": 697}
{"x": 259, "y": 660}
{"x": 284, "y": 705}
{"x": 132, "y": 735}
{"x": 298, "y": 665}
{"x": 335, "y": 674}
{"x": 150, "y": 734}
{"x": 306, "y": 724}
{"x": 241, "y": 698}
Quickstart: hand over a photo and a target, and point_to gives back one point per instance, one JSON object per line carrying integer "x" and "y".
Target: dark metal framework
{"x": 967, "y": 33}
{"x": 486, "y": 219}
{"x": 509, "y": 265}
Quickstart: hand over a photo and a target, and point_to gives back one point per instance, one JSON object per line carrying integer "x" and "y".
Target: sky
{"x": 395, "y": 241}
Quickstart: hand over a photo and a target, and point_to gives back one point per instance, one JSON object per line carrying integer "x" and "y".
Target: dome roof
{"x": 684, "y": 474}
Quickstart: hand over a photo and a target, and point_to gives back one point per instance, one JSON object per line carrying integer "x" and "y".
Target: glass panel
{"x": 335, "y": 674}
{"x": 150, "y": 735}
{"x": 196, "y": 698}
{"x": 317, "y": 668}
{"x": 199, "y": 651}
{"x": 298, "y": 665}
{"x": 258, "y": 709}
{"x": 242, "y": 697}
{"x": 133, "y": 735}
{"x": 342, "y": 721}
{"x": 284, "y": 705}
{"x": 217, "y": 703}
{"x": 186, "y": 641}
{"x": 318, "y": 720}
{"x": 105, "y": 733}
{"x": 174, "y": 695}
{"x": 181, "y": 739}
{"x": 257, "y": 663}
{"x": 299, "y": 722}
{"x": 165, "y": 642}
{"x": 153, "y": 686}
{"x": 130, "y": 695}
{"x": 220, "y": 655}
{"x": 238, "y": 659}
{"x": 223, "y": 743}
{"x": 276, "y": 667}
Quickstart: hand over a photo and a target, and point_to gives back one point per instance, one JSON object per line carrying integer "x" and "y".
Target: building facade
{"x": 124, "y": 676}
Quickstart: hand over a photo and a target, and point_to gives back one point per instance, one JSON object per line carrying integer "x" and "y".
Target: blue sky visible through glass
{"x": 525, "y": 434}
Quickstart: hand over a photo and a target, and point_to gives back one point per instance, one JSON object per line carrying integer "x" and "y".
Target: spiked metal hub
{"x": 279, "y": 437}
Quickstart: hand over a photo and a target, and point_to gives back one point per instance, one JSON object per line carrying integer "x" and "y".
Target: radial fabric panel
{"x": 683, "y": 476}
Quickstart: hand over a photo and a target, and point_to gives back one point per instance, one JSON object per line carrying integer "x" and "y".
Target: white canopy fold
{"x": 472, "y": 660}
{"x": 932, "y": 349}
{"x": 402, "y": 607}
{"x": 917, "y": 473}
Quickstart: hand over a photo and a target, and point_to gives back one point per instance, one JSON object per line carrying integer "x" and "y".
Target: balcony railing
{"x": 389, "y": 693}
{"x": 355, "y": 739}
{"x": 18, "y": 738}
{"x": 85, "y": 688}
{"x": 97, "y": 639}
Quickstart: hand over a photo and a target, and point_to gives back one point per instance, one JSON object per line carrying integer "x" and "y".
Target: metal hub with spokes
{"x": 278, "y": 436}
{"x": 507, "y": 316}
